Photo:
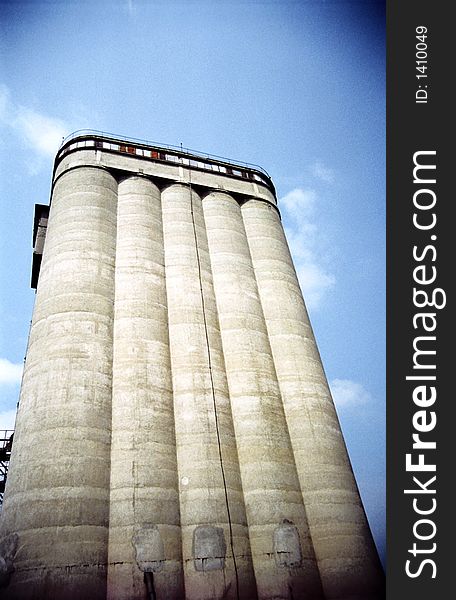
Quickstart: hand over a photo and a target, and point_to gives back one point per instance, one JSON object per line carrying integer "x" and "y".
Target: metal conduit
{"x": 213, "y": 390}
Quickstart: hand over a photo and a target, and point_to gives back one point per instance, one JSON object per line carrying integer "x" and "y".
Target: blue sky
{"x": 295, "y": 86}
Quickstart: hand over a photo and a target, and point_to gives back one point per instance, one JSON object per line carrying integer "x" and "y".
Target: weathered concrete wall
{"x": 169, "y": 310}
{"x": 209, "y": 478}
{"x": 57, "y": 499}
{"x": 269, "y": 479}
{"x": 340, "y": 533}
{"x": 144, "y": 494}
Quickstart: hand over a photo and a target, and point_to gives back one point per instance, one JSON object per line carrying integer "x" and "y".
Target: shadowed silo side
{"x": 57, "y": 500}
{"x": 144, "y": 528}
{"x": 347, "y": 558}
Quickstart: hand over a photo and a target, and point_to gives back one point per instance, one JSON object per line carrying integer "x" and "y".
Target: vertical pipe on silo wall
{"x": 283, "y": 556}
{"x": 345, "y": 551}
{"x": 57, "y": 497}
{"x": 144, "y": 528}
{"x": 212, "y": 510}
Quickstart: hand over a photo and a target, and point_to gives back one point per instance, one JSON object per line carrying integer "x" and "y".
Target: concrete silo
{"x": 175, "y": 437}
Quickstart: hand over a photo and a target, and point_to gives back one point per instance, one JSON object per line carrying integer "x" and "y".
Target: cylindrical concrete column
{"x": 346, "y": 554}
{"x": 216, "y": 550}
{"x": 58, "y": 490}
{"x": 283, "y": 556}
{"x": 144, "y": 527}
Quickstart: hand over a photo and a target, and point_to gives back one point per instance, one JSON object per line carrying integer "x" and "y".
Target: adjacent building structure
{"x": 176, "y": 438}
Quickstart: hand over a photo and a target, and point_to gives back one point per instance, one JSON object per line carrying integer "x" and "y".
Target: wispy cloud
{"x": 349, "y": 394}
{"x": 10, "y": 373}
{"x": 300, "y": 204}
{"x": 39, "y": 132}
{"x": 43, "y": 134}
{"x": 299, "y": 208}
{"x": 322, "y": 172}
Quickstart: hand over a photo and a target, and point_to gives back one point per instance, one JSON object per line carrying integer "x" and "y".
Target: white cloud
{"x": 10, "y": 373}
{"x": 300, "y": 204}
{"x": 7, "y": 419}
{"x": 299, "y": 207}
{"x": 348, "y": 394}
{"x": 41, "y": 133}
{"x": 315, "y": 283}
{"x": 321, "y": 171}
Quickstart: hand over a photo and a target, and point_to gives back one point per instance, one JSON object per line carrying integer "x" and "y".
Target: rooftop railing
{"x": 155, "y": 145}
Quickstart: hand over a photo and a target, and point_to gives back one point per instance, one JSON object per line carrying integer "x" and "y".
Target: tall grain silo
{"x": 175, "y": 437}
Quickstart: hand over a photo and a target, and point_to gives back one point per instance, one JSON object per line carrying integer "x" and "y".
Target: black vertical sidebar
{"x": 421, "y": 358}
